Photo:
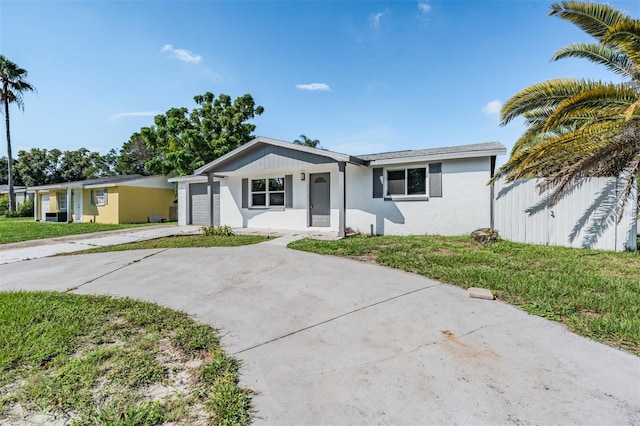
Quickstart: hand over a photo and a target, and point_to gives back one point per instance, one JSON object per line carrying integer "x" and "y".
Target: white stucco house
{"x": 272, "y": 184}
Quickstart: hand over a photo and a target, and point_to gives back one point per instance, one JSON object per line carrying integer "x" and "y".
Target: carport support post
{"x": 210, "y": 197}
{"x": 341, "y": 199}
{"x": 69, "y": 205}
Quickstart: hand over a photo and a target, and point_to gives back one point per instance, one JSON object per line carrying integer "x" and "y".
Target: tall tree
{"x": 304, "y": 140}
{"x": 133, "y": 157}
{"x": 582, "y": 128}
{"x": 39, "y": 166}
{"x": 14, "y": 85}
{"x": 184, "y": 141}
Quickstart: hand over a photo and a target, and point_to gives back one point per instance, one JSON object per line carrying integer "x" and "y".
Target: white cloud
{"x": 314, "y": 86}
{"x": 182, "y": 54}
{"x": 424, "y": 8}
{"x": 135, "y": 114}
{"x": 492, "y": 109}
{"x": 374, "y": 20}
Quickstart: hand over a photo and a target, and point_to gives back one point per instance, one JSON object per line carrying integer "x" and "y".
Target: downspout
{"x": 492, "y": 211}
{"x": 36, "y": 206}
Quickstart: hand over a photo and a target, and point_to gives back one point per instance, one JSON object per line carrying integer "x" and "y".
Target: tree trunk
{"x": 12, "y": 195}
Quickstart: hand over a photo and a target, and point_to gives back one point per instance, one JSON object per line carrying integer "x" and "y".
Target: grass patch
{"x": 180, "y": 241}
{"x": 100, "y": 360}
{"x": 13, "y": 230}
{"x": 594, "y": 293}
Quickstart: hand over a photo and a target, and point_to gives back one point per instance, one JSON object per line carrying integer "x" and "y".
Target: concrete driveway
{"x": 326, "y": 340}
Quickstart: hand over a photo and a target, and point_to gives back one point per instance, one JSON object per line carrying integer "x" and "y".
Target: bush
{"x": 22, "y": 210}
{"x": 4, "y": 204}
{"x": 218, "y": 231}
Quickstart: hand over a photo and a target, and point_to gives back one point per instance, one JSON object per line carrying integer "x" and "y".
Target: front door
{"x": 77, "y": 205}
{"x": 44, "y": 206}
{"x": 319, "y": 199}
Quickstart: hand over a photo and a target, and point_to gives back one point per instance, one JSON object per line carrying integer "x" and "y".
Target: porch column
{"x": 342, "y": 190}
{"x": 69, "y": 205}
{"x": 36, "y": 206}
{"x": 210, "y": 197}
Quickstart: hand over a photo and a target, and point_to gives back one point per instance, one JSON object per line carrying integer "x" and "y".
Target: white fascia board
{"x": 188, "y": 179}
{"x": 437, "y": 157}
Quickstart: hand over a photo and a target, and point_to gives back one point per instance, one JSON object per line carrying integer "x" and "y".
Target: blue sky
{"x": 361, "y": 76}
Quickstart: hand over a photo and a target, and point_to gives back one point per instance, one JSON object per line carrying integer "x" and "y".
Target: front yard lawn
{"x": 181, "y": 241}
{"x": 594, "y": 293}
{"x": 13, "y": 230}
{"x": 75, "y": 359}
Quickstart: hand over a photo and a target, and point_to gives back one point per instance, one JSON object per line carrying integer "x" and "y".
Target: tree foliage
{"x": 13, "y": 85}
{"x": 184, "y": 140}
{"x": 43, "y": 167}
{"x": 580, "y": 128}
{"x": 305, "y": 141}
{"x": 134, "y": 156}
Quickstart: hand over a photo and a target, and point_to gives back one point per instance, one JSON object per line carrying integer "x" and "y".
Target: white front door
{"x": 77, "y": 205}
{"x": 44, "y": 207}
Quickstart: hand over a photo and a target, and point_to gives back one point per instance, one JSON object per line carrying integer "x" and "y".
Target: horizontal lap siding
{"x": 272, "y": 157}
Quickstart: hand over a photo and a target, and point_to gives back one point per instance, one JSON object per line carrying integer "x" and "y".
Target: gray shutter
{"x": 106, "y": 200}
{"x": 377, "y": 182}
{"x": 93, "y": 198}
{"x": 245, "y": 193}
{"x": 435, "y": 180}
{"x": 288, "y": 191}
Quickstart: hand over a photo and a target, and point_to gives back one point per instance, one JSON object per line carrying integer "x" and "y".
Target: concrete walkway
{"x": 326, "y": 340}
{"x": 35, "y": 249}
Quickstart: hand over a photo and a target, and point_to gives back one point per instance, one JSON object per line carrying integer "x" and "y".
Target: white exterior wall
{"x": 296, "y": 218}
{"x": 465, "y": 204}
{"x": 584, "y": 218}
{"x": 182, "y": 204}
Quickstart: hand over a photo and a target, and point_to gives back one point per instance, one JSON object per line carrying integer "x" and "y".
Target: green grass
{"x": 14, "y": 230}
{"x": 180, "y": 241}
{"x": 100, "y": 360}
{"x": 595, "y": 293}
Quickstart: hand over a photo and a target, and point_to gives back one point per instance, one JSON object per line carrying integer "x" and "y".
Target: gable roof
{"x": 445, "y": 153}
{"x": 249, "y": 146}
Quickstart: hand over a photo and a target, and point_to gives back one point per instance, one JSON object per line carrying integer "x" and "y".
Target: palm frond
{"x": 593, "y": 18}
{"x": 612, "y": 59}
{"x": 543, "y": 95}
{"x": 608, "y": 99}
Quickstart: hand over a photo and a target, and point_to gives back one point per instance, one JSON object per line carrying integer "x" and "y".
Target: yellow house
{"x": 112, "y": 199}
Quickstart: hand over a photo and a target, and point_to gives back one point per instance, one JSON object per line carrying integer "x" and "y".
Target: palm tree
{"x": 305, "y": 141}
{"x": 13, "y": 86}
{"x": 580, "y": 128}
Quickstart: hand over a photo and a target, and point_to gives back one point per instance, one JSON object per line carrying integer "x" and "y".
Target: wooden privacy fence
{"x": 586, "y": 217}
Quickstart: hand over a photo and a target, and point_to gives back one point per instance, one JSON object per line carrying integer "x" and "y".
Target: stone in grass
{"x": 480, "y": 293}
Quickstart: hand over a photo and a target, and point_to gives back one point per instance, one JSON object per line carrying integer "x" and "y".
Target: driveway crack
{"x": 70, "y": 289}
{"x": 408, "y": 293}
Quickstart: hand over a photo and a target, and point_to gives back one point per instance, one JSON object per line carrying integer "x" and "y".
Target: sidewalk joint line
{"x": 111, "y": 272}
{"x": 336, "y": 317}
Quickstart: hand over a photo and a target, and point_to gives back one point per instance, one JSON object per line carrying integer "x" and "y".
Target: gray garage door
{"x": 199, "y": 204}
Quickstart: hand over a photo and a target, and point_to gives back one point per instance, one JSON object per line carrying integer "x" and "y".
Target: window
{"x": 101, "y": 197}
{"x": 267, "y": 192}
{"x": 407, "y": 181}
{"x": 61, "y": 198}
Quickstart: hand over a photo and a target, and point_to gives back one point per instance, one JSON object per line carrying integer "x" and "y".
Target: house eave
{"x": 438, "y": 157}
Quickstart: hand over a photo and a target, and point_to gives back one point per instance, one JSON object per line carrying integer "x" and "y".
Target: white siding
{"x": 586, "y": 217}
{"x": 295, "y": 218}
{"x": 465, "y": 204}
{"x": 182, "y": 204}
